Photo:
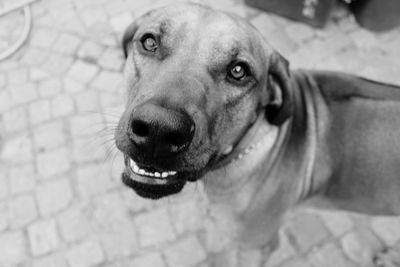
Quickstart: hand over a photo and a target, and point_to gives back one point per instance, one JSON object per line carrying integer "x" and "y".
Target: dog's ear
{"x": 279, "y": 108}
{"x": 128, "y": 36}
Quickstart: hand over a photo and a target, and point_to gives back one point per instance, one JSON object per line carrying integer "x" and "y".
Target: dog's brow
{"x": 165, "y": 26}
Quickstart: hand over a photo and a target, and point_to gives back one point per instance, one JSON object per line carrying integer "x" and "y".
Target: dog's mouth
{"x": 152, "y": 183}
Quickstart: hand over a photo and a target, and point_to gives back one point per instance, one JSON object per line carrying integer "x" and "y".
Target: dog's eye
{"x": 149, "y": 43}
{"x": 238, "y": 72}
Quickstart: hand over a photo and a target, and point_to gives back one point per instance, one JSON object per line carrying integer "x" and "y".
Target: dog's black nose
{"x": 160, "y": 132}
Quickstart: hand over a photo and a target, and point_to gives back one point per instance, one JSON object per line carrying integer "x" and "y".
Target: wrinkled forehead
{"x": 208, "y": 29}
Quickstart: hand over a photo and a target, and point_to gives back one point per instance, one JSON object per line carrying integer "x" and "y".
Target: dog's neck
{"x": 231, "y": 189}
{"x": 234, "y": 176}
{"x": 257, "y": 190}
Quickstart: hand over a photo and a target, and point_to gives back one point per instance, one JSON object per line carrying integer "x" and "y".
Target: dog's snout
{"x": 160, "y": 132}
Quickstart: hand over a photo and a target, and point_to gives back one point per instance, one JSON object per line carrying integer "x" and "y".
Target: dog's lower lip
{"x": 148, "y": 184}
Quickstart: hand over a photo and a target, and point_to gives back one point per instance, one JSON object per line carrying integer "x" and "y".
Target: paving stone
{"x": 103, "y": 34}
{"x": 82, "y": 71}
{"x": 306, "y": 231}
{"x": 108, "y": 100}
{"x": 43, "y": 237}
{"x": 329, "y": 255}
{"x": 187, "y": 216}
{"x": 18, "y": 76}
{"x": 92, "y": 180}
{"x": 3, "y": 80}
{"x": 57, "y": 64}
{"x": 71, "y": 86}
{"x": 299, "y": 32}
{"x": 15, "y": 119}
{"x": 49, "y": 87}
{"x": 214, "y": 240}
{"x": 54, "y": 196}
{"x": 73, "y": 224}
{"x": 37, "y": 74}
{"x": 53, "y": 260}
{"x": 86, "y": 124}
{"x": 5, "y": 103}
{"x": 86, "y": 101}
{"x": 154, "y": 228}
{"x": 23, "y": 93}
{"x": 109, "y": 81}
{"x": 3, "y": 219}
{"x": 43, "y": 37}
{"x": 66, "y": 43}
{"x": 90, "y": 51}
{"x": 115, "y": 7}
{"x": 90, "y": 149}
{"x": 13, "y": 248}
{"x": 338, "y": 224}
{"x": 363, "y": 38}
{"x": 112, "y": 59}
{"x": 3, "y": 183}
{"x": 53, "y": 162}
{"x": 22, "y": 211}
{"x": 22, "y": 178}
{"x": 86, "y": 254}
{"x": 49, "y": 135}
{"x": 284, "y": 252}
{"x": 114, "y": 227}
{"x": 150, "y": 259}
{"x": 135, "y": 203}
{"x": 119, "y": 22}
{"x": 297, "y": 262}
{"x": 17, "y": 150}
{"x": 360, "y": 246}
{"x": 250, "y": 257}
{"x": 264, "y": 23}
{"x": 387, "y": 229}
{"x": 34, "y": 56}
{"x": 228, "y": 257}
{"x": 62, "y": 105}
{"x": 39, "y": 111}
{"x": 93, "y": 15}
{"x": 186, "y": 253}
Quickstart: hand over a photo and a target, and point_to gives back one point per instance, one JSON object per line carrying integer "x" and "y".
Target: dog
{"x": 209, "y": 99}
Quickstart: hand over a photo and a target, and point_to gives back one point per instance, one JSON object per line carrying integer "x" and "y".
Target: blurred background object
{"x": 375, "y": 15}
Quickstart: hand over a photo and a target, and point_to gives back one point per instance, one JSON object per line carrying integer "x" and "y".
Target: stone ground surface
{"x": 61, "y": 200}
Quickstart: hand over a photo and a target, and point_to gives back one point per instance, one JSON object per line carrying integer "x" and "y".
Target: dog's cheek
{"x": 121, "y": 136}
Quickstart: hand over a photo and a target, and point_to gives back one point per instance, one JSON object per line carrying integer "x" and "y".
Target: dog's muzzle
{"x": 157, "y": 135}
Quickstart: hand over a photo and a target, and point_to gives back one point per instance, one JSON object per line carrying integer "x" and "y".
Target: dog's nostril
{"x": 175, "y": 139}
{"x": 140, "y": 128}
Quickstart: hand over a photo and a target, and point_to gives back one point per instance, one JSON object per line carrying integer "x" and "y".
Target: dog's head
{"x": 197, "y": 79}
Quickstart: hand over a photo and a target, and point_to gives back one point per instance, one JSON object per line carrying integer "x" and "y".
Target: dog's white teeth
{"x": 228, "y": 150}
{"x": 135, "y": 168}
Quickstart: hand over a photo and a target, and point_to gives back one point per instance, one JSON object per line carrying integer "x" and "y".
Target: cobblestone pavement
{"x": 61, "y": 200}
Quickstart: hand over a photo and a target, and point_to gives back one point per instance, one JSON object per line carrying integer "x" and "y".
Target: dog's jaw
{"x": 235, "y": 176}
